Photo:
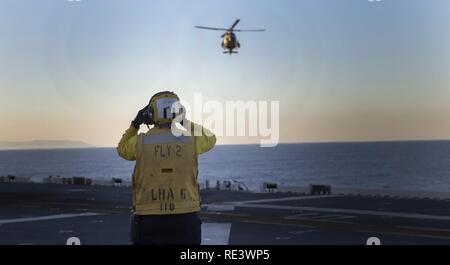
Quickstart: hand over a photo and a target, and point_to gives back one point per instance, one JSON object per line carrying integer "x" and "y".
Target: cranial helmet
{"x": 162, "y": 108}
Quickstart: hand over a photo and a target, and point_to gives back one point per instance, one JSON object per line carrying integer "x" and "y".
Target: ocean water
{"x": 408, "y": 165}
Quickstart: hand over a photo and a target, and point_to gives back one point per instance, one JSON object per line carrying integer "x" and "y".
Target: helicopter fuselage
{"x": 230, "y": 42}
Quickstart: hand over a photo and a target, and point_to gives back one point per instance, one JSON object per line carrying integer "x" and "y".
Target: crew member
{"x": 166, "y": 196}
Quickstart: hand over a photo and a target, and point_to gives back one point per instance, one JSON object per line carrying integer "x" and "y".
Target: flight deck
{"x": 50, "y": 214}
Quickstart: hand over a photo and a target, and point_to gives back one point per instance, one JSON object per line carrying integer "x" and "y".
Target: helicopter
{"x": 230, "y": 43}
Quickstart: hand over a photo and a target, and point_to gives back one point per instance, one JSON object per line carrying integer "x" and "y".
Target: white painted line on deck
{"x": 317, "y": 216}
{"x": 301, "y": 232}
{"x": 297, "y": 198}
{"x": 219, "y": 208}
{"x": 301, "y": 215}
{"x": 47, "y": 217}
{"x": 215, "y": 233}
{"x": 334, "y": 216}
{"x": 282, "y": 238}
{"x": 348, "y": 211}
{"x": 430, "y": 229}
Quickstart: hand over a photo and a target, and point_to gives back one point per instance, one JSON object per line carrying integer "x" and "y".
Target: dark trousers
{"x": 177, "y": 229}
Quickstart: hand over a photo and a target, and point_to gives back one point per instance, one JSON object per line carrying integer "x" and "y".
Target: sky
{"x": 342, "y": 70}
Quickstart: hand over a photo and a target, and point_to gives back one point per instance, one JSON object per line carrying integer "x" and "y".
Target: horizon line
{"x": 281, "y": 143}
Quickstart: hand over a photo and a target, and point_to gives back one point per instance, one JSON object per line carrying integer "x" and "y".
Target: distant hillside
{"x": 43, "y": 144}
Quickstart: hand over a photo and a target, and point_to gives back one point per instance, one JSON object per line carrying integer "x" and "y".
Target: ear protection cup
{"x": 148, "y": 116}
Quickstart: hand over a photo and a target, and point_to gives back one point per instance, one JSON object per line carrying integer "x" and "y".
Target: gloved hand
{"x": 137, "y": 122}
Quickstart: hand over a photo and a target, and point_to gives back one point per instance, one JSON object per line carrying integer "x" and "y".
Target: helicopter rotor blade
{"x": 234, "y": 24}
{"x": 249, "y": 30}
{"x": 210, "y": 28}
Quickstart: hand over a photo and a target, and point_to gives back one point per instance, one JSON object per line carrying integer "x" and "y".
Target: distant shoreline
{"x": 49, "y": 148}
{"x": 42, "y": 144}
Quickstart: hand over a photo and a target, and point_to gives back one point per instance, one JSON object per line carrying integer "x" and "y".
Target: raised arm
{"x": 204, "y": 141}
{"x": 127, "y": 145}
